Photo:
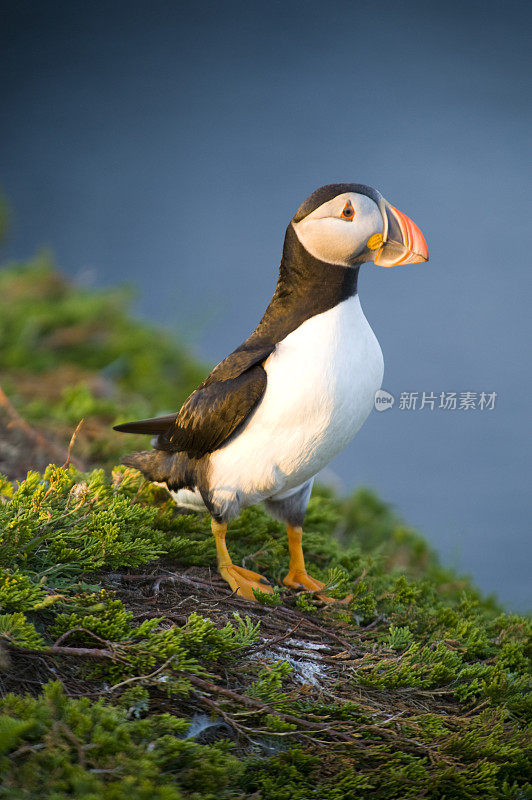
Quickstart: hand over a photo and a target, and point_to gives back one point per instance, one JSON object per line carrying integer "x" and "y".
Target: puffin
{"x": 277, "y": 409}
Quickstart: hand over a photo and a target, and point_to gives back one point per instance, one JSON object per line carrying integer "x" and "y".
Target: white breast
{"x": 321, "y": 385}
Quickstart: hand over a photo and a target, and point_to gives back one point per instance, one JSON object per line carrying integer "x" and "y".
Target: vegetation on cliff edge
{"x": 129, "y": 670}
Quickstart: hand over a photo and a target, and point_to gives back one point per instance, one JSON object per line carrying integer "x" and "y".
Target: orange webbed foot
{"x": 243, "y": 581}
{"x": 300, "y": 579}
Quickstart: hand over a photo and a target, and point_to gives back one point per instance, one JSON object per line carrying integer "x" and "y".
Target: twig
{"x": 181, "y": 619}
{"x": 197, "y": 583}
{"x": 88, "y": 652}
{"x": 226, "y": 718}
{"x": 71, "y": 443}
{"x": 139, "y": 490}
{"x": 66, "y": 634}
{"x": 162, "y": 579}
{"x": 142, "y": 677}
{"x": 252, "y": 555}
{"x": 244, "y": 700}
{"x": 275, "y": 640}
{"x": 373, "y": 624}
{"x": 305, "y": 621}
{"x": 73, "y": 739}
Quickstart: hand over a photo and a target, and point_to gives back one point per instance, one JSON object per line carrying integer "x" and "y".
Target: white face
{"x": 338, "y": 231}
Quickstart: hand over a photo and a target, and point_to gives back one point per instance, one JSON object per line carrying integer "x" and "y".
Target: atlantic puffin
{"x": 276, "y": 410}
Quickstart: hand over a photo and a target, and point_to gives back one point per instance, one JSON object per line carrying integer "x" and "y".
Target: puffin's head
{"x": 349, "y": 223}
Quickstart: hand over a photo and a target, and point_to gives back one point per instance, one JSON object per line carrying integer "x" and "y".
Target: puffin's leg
{"x": 297, "y": 577}
{"x": 241, "y": 580}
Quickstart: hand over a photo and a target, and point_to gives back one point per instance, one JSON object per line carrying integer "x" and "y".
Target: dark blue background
{"x": 168, "y": 144}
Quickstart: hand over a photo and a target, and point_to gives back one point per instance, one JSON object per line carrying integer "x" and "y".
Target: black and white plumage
{"x": 288, "y": 399}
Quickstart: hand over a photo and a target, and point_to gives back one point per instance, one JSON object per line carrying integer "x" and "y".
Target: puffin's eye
{"x": 349, "y": 211}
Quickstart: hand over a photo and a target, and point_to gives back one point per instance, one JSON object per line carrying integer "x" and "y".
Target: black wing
{"x": 214, "y": 412}
{"x": 217, "y": 407}
{"x": 210, "y": 415}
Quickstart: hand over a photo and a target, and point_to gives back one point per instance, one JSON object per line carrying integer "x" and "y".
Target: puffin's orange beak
{"x": 403, "y": 242}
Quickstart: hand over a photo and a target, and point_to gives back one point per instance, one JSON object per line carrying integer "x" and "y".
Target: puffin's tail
{"x": 156, "y": 425}
{"x": 174, "y": 469}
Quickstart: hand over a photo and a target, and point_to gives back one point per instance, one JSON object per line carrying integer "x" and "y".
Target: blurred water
{"x": 169, "y": 144}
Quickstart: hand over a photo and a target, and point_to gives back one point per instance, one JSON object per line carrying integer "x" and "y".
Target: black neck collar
{"x": 306, "y": 287}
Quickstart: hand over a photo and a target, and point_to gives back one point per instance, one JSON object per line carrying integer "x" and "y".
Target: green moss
{"x": 91, "y": 750}
{"x": 269, "y": 684}
{"x": 399, "y": 638}
{"x": 18, "y": 592}
{"x": 446, "y": 665}
{"x": 15, "y": 629}
{"x": 59, "y": 525}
